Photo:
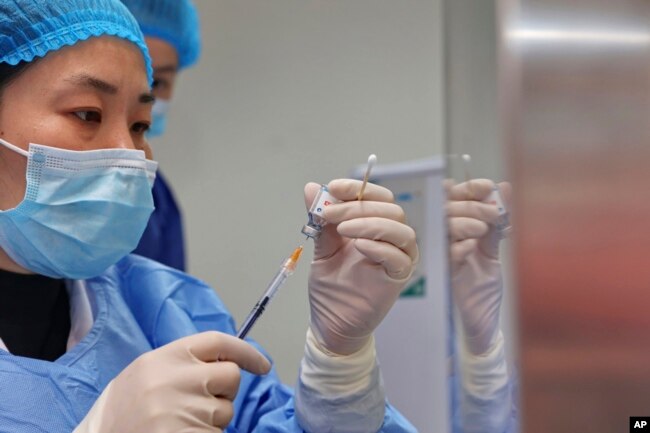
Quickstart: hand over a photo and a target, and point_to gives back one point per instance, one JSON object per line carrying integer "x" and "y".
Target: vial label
{"x": 324, "y": 200}
{"x": 503, "y": 223}
{"x": 495, "y": 199}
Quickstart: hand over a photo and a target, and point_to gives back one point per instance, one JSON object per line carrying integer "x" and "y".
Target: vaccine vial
{"x": 503, "y": 223}
{"x": 316, "y": 221}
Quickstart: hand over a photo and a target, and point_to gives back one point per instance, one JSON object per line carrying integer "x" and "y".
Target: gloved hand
{"x": 474, "y": 254}
{"x": 187, "y": 385}
{"x": 362, "y": 260}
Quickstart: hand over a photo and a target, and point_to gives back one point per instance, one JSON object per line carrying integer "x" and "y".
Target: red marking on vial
{"x": 327, "y": 203}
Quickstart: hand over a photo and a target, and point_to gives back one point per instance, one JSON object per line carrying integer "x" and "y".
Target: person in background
{"x": 172, "y": 33}
{"x": 97, "y": 340}
{"x": 485, "y": 401}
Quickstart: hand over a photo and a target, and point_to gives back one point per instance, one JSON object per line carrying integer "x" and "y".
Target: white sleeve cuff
{"x": 486, "y": 400}
{"x": 339, "y": 394}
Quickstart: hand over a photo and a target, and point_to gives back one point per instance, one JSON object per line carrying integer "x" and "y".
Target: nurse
{"x": 486, "y": 402}
{"x": 96, "y": 340}
{"x": 171, "y": 31}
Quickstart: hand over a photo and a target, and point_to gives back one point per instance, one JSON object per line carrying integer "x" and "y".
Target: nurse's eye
{"x": 140, "y": 127}
{"x": 89, "y": 116}
{"x": 160, "y": 84}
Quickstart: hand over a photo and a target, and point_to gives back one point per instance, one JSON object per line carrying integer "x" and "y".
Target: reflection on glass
{"x": 482, "y": 387}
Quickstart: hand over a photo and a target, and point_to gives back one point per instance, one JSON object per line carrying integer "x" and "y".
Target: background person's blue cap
{"x": 174, "y": 21}
{"x": 32, "y": 28}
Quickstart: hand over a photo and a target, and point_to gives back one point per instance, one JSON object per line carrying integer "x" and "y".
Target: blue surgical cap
{"x": 31, "y": 28}
{"x": 174, "y": 21}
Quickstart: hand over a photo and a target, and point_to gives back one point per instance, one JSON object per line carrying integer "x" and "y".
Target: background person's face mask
{"x": 159, "y": 113}
{"x": 82, "y": 211}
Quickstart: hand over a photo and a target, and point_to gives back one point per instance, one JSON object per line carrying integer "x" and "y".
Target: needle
{"x": 287, "y": 268}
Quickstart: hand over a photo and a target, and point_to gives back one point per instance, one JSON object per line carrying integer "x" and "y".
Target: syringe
{"x": 287, "y": 268}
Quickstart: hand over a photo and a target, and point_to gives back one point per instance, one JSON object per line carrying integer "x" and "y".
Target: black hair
{"x": 8, "y": 73}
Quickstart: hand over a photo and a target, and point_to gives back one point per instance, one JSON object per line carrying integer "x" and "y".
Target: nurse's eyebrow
{"x": 146, "y": 98}
{"x": 85, "y": 80}
{"x": 165, "y": 68}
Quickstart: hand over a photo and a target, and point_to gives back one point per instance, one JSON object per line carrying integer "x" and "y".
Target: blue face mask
{"x": 159, "y": 113}
{"x": 82, "y": 212}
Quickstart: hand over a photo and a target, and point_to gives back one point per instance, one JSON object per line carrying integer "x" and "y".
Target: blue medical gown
{"x": 138, "y": 305}
{"x": 162, "y": 240}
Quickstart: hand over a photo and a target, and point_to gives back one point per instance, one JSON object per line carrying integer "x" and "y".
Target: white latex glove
{"x": 362, "y": 260}
{"x": 474, "y": 254}
{"x": 187, "y": 385}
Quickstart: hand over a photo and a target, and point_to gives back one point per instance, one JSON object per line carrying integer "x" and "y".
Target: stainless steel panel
{"x": 575, "y": 83}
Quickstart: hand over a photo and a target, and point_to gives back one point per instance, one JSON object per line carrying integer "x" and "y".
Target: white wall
{"x": 290, "y": 91}
{"x": 471, "y": 84}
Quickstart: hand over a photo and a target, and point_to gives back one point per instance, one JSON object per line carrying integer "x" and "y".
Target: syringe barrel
{"x": 277, "y": 282}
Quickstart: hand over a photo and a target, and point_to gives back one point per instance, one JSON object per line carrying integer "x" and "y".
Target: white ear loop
{"x": 14, "y": 148}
